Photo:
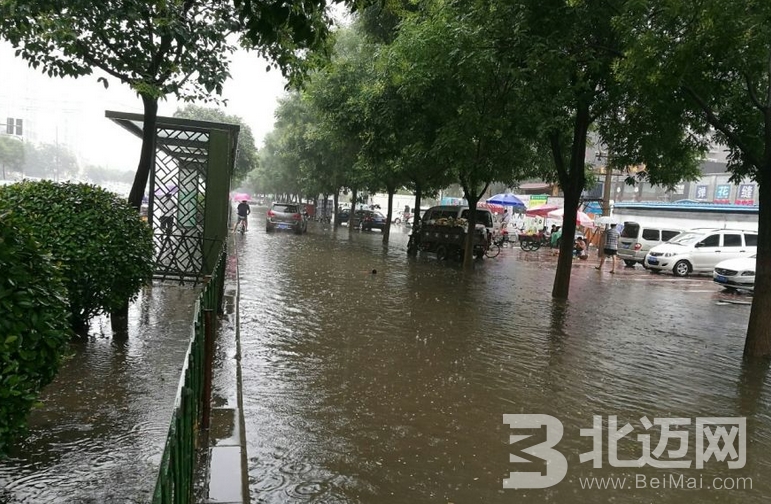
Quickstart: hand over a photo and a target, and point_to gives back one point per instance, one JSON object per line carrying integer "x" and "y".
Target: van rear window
{"x": 482, "y": 217}
{"x": 631, "y": 229}
{"x": 667, "y": 235}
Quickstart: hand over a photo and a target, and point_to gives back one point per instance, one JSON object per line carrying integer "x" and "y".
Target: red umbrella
{"x": 581, "y": 218}
{"x": 498, "y": 209}
{"x": 541, "y": 210}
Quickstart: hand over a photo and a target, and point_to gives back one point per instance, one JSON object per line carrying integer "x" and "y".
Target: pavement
{"x": 225, "y": 470}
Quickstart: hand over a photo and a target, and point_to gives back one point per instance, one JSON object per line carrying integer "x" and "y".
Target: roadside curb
{"x": 227, "y": 472}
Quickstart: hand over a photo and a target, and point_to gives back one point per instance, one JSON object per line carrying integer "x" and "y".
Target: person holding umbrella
{"x": 243, "y": 211}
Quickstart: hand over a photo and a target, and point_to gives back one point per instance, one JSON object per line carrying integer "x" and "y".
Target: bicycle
{"x": 531, "y": 243}
{"x": 413, "y": 244}
{"x": 493, "y": 248}
{"x": 241, "y": 226}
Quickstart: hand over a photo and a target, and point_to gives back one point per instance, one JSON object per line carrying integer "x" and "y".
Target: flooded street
{"x": 99, "y": 435}
{"x": 391, "y": 388}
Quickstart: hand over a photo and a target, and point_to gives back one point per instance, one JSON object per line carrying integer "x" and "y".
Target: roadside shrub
{"x": 105, "y": 250}
{"x": 34, "y": 326}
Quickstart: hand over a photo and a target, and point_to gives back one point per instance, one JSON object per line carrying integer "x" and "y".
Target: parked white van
{"x": 699, "y": 250}
{"x": 637, "y": 240}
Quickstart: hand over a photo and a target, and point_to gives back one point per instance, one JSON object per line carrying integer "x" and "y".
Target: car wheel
{"x": 630, "y": 263}
{"x": 681, "y": 268}
{"x": 441, "y": 252}
{"x": 268, "y": 229}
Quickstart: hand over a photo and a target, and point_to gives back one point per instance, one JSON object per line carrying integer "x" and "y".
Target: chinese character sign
{"x": 537, "y": 200}
{"x": 701, "y": 192}
{"x": 746, "y": 194}
{"x": 723, "y": 193}
{"x": 663, "y": 443}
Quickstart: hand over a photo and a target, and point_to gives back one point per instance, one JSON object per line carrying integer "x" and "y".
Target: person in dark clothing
{"x": 242, "y": 210}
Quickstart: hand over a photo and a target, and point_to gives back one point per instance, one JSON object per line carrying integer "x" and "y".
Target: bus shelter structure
{"x": 188, "y": 197}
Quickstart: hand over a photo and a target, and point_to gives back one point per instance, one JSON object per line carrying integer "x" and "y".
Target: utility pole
{"x": 608, "y": 181}
{"x": 605, "y": 196}
{"x": 606, "y": 191}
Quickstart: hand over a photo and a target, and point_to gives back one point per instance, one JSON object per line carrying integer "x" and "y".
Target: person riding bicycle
{"x": 242, "y": 210}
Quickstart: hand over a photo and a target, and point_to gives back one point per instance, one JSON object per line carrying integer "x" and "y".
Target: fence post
{"x": 208, "y": 369}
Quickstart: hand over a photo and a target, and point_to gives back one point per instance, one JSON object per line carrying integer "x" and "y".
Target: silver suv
{"x": 699, "y": 250}
{"x": 286, "y": 216}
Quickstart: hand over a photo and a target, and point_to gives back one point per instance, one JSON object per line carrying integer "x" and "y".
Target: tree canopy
{"x": 710, "y": 68}
{"x": 160, "y": 47}
{"x": 246, "y": 160}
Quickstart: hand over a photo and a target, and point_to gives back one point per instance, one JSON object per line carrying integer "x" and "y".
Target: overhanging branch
{"x": 719, "y": 125}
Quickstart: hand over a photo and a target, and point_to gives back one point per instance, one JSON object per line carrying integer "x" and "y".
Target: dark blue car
{"x": 370, "y": 219}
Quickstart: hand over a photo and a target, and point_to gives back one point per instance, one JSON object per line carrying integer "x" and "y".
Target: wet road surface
{"x": 391, "y": 388}
{"x": 99, "y": 436}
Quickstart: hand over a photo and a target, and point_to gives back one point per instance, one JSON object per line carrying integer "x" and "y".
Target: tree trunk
{"x": 468, "y": 252}
{"x": 352, "y": 212}
{"x": 147, "y": 158}
{"x": 416, "y": 210}
{"x": 572, "y": 182}
{"x": 472, "y": 198}
{"x": 565, "y": 260}
{"x": 415, "y": 218}
{"x": 119, "y": 321}
{"x": 336, "y": 202}
{"x": 387, "y": 228}
{"x": 751, "y": 386}
{"x": 758, "y": 342}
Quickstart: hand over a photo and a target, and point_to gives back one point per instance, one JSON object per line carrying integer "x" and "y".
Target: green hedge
{"x": 105, "y": 250}
{"x": 34, "y": 326}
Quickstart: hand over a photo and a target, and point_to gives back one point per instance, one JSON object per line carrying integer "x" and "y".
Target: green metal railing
{"x": 192, "y": 406}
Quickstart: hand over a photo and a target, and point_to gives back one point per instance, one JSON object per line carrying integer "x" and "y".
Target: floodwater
{"x": 391, "y": 387}
{"x": 99, "y": 435}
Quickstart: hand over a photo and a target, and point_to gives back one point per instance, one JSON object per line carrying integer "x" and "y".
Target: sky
{"x": 71, "y": 111}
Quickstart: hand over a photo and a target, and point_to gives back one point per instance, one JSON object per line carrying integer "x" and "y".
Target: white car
{"x": 699, "y": 250}
{"x": 736, "y": 274}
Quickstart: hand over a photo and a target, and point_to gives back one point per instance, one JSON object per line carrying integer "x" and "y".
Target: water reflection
{"x": 391, "y": 387}
{"x": 99, "y": 435}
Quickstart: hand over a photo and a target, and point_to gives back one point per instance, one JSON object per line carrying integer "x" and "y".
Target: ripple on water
{"x": 391, "y": 387}
{"x": 103, "y": 421}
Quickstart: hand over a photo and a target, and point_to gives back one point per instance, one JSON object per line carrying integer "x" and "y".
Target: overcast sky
{"x": 71, "y": 111}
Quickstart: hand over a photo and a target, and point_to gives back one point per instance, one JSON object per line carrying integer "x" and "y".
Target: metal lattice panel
{"x": 177, "y": 203}
{"x": 188, "y": 205}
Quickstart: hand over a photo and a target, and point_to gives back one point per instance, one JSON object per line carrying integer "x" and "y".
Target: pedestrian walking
{"x": 610, "y": 249}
